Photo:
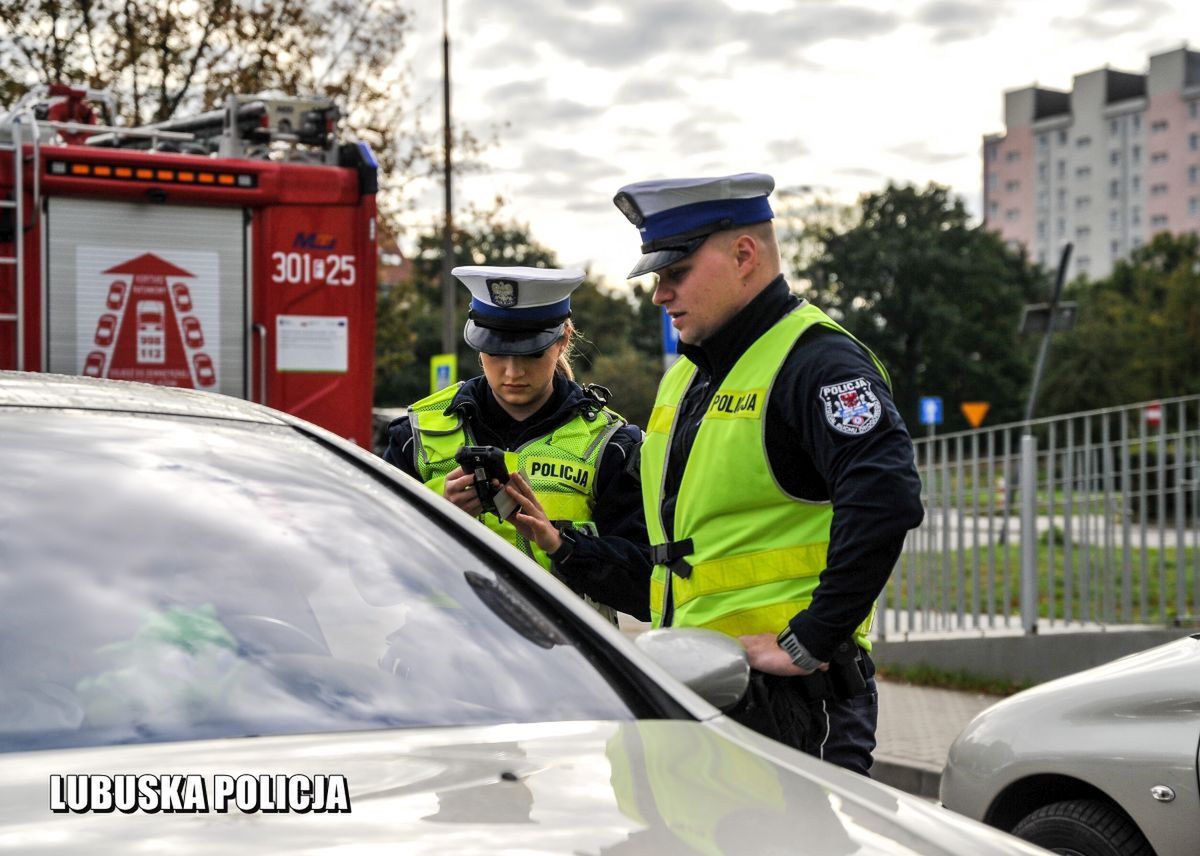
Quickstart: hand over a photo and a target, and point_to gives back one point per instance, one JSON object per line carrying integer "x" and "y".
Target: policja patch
{"x": 851, "y": 407}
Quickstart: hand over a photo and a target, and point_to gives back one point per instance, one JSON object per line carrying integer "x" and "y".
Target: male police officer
{"x": 777, "y": 477}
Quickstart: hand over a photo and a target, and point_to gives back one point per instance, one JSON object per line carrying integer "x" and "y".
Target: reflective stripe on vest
{"x": 561, "y": 466}
{"x": 758, "y": 551}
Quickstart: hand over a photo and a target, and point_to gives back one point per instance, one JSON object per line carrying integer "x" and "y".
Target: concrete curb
{"x": 912, "y": 777}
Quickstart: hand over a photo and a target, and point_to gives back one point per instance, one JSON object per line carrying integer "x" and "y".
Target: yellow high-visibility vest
{"x": 756, "y": 551}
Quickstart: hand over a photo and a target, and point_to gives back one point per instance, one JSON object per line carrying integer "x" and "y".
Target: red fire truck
{"x": 233, "y": 252}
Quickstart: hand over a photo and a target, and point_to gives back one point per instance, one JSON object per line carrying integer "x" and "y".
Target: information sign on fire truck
{"x": 233, "y": 251}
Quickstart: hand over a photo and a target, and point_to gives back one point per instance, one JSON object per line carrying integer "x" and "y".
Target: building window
{"x": 990, "y": 153}
{"x": 1062, "y": 169}
{"x": 993, "y": 209}
{"x": 1114, "y": 127}
{"x": 1062, "y": 138}
{"x": 1043, "y": 199}
{"x": 1041, "y": 230}
{"x": 1082, "y": 142}
{"x": 1083, "y": 264}
{"x": 1012, "y": 186}
{"x": 1114, "y": 189}
{"x": 1158, "y": 127}
{"x": 1137, "y": 121}
{"x": 1060, "y": 226}
{"x": 1136, "y": 154}
{"x": 1135, "y": 216}
{"x": 1114, "y": 247}
{"x": 1136, "y": 183}
{"x": 1062, "y": 197}
{"x": 1159, "y": 220}
{"x": 1083, "y": 201}
{"x": 1193, "y": 206}
{"x": 1012, "y": 156}
{"x": 1158, "y": 157}
{"x": 1114, "y": 157}
{"x": 1082, "y": 231}
{"x": 1194, "y": 142}
{"x": 993, "y": 181}
{"x": 1193, "y": 109}
{"x": 1137, "y": 243}
{"x": 1043, "y": 171}
{"x": 1158, "y": 190}
{"x": 1012, "y": 214}
{"x": 1114, "y": 218}
{"x": 1043, "y": 142}
{"x": 1193, "y": 174}
{"x": 1083, "y": 171}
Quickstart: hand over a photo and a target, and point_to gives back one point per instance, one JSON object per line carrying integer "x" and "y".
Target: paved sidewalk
{"x": 916, "y": 727}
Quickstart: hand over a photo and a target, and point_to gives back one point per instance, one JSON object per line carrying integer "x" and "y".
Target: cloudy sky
{"x": 582, "y": 96}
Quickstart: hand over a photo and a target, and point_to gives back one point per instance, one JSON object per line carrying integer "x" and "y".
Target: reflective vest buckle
{"x": 672, "y": 554}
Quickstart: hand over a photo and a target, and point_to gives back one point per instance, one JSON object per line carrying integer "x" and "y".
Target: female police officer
{"x": 572, "y": 459}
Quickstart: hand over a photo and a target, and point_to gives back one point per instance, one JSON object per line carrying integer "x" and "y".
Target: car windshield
{"x": 175, "y": 578}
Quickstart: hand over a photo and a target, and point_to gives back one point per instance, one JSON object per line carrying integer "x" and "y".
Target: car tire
{"x": 1083, "y": 828}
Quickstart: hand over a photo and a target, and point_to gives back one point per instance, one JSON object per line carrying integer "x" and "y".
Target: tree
{"x": 938, "y": 301}
{"x": 1136, "y": 334}
{"x": 163, "y": 58}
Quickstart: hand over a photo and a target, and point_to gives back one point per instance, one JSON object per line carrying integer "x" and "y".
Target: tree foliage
{"x": 937, "y": 300}
{"x": 160, "y": 59}
{"x": 1137, "y": 332}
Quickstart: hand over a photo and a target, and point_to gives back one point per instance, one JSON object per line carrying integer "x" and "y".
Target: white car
{"x": 1101, "y": 763}
{"x": 225, "y": 629}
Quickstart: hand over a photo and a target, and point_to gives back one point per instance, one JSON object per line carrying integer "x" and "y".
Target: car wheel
{"x": 1083, "y": 828}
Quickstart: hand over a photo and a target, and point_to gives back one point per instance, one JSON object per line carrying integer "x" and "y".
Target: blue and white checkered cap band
{"x": 689, "y": 220}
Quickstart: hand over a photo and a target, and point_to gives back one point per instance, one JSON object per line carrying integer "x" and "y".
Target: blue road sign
{"x": 931, "y": 410}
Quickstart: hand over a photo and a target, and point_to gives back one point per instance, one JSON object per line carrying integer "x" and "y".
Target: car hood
{"x": 592, "y": 787}
{"x": 1161, "y": 684}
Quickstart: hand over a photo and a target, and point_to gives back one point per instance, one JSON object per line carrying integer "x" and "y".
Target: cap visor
{"x": 659, "y": 259}
{"x": 510, "y": 342}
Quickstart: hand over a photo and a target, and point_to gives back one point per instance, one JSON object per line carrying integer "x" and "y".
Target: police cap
{"x": 676, "y": 215}
{"x": 516, "y": 310}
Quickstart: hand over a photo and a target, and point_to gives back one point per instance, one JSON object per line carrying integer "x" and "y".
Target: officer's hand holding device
{"x": 487, "y": 465}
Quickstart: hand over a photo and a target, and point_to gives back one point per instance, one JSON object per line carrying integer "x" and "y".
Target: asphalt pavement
{"x": 916, "y": 727}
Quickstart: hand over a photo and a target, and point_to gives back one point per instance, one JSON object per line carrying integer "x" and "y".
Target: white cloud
{"x": 592, "y": 94}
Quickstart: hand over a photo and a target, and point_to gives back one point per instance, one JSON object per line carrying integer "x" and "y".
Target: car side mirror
{"x": 711, "y": 664}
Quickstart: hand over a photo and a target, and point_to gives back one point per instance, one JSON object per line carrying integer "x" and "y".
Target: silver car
{"x": 1101, "y": 763}
{"x": 222, "y": 628}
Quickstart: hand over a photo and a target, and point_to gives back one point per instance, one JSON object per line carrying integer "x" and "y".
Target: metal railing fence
{"x": 1084, "y": 520}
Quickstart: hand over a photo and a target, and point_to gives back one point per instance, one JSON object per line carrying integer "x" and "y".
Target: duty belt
{"x": 672, "y": 554}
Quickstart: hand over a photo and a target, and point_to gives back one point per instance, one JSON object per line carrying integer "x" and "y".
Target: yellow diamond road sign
{"x": 975, "y": 411}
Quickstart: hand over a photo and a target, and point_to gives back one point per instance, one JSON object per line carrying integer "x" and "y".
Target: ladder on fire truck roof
{"x": 16, "y": 145}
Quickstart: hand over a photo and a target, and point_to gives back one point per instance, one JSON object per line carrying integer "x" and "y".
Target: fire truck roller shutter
{"x": 173, "y": 276}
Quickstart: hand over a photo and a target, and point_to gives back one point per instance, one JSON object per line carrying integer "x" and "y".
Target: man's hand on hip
{"x": 766, "y": 656}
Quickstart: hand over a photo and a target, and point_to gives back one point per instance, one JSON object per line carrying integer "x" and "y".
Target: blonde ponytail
{"x": 563, "y": 366}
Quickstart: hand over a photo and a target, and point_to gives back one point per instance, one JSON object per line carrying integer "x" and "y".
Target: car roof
{"x": 30, "y": 389}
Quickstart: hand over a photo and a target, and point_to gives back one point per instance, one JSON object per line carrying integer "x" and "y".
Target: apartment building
{"x": 1105, "y": 165}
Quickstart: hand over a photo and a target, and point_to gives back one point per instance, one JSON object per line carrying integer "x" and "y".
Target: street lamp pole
{"x": 448, "y": 332}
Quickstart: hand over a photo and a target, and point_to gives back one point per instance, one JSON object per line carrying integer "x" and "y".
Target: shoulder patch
{"x": 851, "y": 407}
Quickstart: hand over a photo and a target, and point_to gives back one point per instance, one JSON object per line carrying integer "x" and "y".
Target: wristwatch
{"x": 567, "y": 547}
{"x": 795, "y": 648}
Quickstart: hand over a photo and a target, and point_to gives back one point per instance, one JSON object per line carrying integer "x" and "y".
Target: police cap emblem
{"x": 628, "y": 206}
{"x": 503, "y": 292}
{"x": 851, "y": 407}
